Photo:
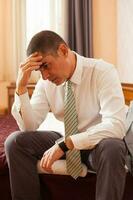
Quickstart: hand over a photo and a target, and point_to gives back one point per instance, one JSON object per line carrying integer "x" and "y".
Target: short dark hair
{"x": 45, "y": 42}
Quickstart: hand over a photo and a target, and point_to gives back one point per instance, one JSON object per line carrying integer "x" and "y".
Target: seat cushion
{"x": 7, "y": 126}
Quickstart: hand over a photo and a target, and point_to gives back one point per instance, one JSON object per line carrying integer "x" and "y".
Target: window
{"x": 45, "y": 15}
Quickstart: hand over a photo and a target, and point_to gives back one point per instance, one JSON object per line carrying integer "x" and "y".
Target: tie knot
{"x": 69, "y": 84}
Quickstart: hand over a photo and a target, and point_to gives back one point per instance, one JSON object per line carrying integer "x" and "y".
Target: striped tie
{"x": 73, "y": 159}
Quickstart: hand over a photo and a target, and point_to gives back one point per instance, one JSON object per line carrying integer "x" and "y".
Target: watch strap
{"x": 62, "y": 145}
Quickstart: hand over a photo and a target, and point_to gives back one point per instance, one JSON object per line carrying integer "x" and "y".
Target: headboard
{"x": 128, "y": 92}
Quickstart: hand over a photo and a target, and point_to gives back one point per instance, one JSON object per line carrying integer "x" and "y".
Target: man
{"x": 101, "y": 118}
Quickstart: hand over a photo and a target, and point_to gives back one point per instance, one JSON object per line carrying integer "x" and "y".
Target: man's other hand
{"x": 50, "y": 156}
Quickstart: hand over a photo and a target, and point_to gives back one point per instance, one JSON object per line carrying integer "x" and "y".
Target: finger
{"x": 48, "y": 164}
{"x": 30, "y": 67}
{"x": 33, "y": 54}
{"x": 35, "y": 58}
{"x": 43, "y": 166}
{"x": 31, "y": 64}
{"x": 49, "y": 170}
{"x": 47, "y": 161}
{"x": 43, "y": 163}
{"x": 30, "y": 60}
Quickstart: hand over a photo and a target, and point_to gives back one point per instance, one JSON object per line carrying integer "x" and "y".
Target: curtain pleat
{"x": 80, "y": 26}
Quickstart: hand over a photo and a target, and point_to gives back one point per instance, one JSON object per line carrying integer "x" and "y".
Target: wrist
{"x": 61, "y": 143}
{"x": 21, "y": 91}
{"x": 69, "y": 143}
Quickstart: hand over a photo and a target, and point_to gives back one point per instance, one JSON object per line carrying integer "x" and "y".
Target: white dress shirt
{"x": 99, "y": 103}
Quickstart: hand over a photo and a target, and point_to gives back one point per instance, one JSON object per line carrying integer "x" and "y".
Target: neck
{"x": 73, "y": 63}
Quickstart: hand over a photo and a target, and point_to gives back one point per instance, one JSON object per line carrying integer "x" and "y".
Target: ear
{"x": 62, "y": 50}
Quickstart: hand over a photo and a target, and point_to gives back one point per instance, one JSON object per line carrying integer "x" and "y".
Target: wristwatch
{"x": 62, "y": 144}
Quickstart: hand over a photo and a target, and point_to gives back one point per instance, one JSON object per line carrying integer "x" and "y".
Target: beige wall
{"x": 2, "y": 40}
{"x": 3, "y": 91}
{"x": 12, "y": 34}
{"x": 104, "y": 30}
{"x": 3, "y": 96}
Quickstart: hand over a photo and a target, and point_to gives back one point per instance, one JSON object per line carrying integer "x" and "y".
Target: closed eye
{"x": 44, "y": 65}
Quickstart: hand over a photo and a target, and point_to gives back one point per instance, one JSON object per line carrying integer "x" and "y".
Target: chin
{"x": 59, "y": 82}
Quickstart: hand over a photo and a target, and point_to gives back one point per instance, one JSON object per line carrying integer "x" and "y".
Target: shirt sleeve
{"x": 29, "y": 114}
{"x": 112, "y": 111}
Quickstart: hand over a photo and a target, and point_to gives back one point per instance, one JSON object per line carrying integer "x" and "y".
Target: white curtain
{"x": 12, "y": 37}
{"x": 125, "y": 40}
{"x": 46, "y": 14}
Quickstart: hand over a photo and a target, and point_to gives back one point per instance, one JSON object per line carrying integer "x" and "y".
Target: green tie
{"x": 73, "y": 159}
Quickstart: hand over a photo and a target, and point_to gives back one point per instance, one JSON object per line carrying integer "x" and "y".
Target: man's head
{"x": 46, "y": 42}
{"x": 58, "y": 61}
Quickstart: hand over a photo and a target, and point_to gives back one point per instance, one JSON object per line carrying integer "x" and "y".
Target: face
{"x": 55, "y": 68}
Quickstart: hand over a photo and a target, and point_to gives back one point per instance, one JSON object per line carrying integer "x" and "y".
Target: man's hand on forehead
{"x": 35, "y": 61}
{"x": 38, "y": 57}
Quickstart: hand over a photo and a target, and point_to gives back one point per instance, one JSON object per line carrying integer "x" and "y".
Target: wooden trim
{"x": 129, "y": 85}
{"x": 3, "y": 111}
{"x": 11, "y": 91}
{"x": 126, "y": 87}
{"x": 128, "y": 92}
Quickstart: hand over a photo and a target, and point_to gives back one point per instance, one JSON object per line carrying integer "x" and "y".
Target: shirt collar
{"x": 76, "y": 77}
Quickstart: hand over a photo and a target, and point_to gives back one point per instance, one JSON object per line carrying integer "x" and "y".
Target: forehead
{"x": 47, "y": 57}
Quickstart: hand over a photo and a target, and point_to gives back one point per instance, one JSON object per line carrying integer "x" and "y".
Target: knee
{"x": 15, "y": 140}
{"x": 112, "y": 149}
{"x": 10, "y": 142}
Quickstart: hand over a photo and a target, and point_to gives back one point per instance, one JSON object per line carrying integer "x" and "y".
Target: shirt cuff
{"x": 21, "y": 100}
{"x": 79, "y": 140}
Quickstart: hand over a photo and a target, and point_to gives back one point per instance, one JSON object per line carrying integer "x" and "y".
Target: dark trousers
{"x": 24, "y": 149}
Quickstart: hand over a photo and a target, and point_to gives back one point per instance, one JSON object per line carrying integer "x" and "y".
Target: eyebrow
{"x": 43, "y": 64}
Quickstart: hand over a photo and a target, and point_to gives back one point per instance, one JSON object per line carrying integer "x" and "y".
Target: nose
{"x": 45, "y": 74}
